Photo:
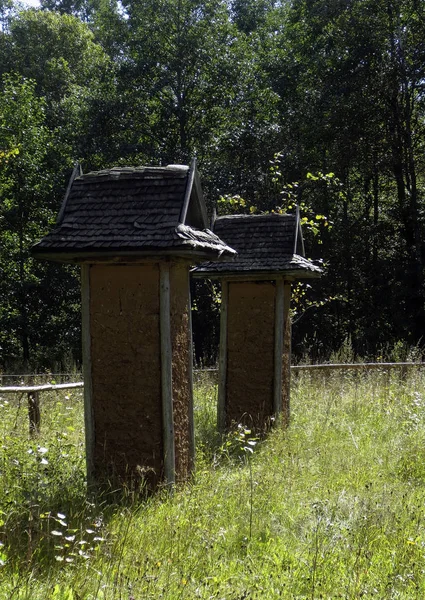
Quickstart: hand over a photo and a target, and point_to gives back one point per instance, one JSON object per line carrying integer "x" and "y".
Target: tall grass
{"x": 333, "y": 507}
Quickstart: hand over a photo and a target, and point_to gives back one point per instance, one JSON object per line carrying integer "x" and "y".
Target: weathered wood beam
{"x": 287, "y": 351}
{"x": 167, "y": 375}
{"x": 190, "y": 367}
{"x": 16, "y": 389}
{"x": 87, "y": 373}
{"x": 222, "y": 360}
{"x": 278, "y": 347}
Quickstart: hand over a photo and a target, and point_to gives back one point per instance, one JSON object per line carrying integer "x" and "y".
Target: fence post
{"x": 34, "y": 412}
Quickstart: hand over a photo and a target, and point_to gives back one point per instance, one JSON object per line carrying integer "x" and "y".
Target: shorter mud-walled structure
{"x": 255, "y": 327}
{"x": 136, "y": 233}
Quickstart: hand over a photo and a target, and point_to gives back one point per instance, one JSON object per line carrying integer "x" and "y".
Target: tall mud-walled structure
{"x": 249, "y": 354}
{"x": 136, "y": 233}
{"x": 127, "y": 363}
{"x": 255, "y": 328}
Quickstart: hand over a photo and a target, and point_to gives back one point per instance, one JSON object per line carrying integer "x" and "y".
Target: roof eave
{"x": 260, "y": 275}
{"x": 118, "y": 256}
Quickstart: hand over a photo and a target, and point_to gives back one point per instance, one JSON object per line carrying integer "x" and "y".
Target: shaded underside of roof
{"x": 264, "y": 243}
{"x": 128, "y": 210}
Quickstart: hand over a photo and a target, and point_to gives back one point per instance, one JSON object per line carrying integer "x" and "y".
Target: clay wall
{"x": 250, "y": 353}
{"x": 182, "y": 362}
{"x": 126, "y": 371}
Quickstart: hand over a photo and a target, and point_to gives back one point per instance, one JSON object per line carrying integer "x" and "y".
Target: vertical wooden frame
{"x": 166, "y": 375}
{"x": 87, "y": 372}
{"x": 286, "y": 363}
{"x": 278, "y": 347}
{"x": 190, "y": 367}
{"x": 222, "y": 361}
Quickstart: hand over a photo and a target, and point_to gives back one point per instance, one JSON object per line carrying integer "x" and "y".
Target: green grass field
{"x": 334, "y": 507}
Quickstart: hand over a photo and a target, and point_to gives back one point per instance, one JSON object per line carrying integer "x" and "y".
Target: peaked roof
{"x": 132, "y": 211}
{"x": 270, "y": 244}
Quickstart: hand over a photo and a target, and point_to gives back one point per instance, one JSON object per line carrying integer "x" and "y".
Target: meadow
{"x": 333, "y": 507}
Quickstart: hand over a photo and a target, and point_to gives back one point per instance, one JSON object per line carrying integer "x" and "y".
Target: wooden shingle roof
{"x": 266, "y": 245}
{"x": 133, "y": 211}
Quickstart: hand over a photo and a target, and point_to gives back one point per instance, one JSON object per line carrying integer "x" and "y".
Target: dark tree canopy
{"x": 336, "y": 88}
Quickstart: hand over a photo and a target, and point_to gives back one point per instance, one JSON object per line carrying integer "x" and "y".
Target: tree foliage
{"x": 28, "y": 313}
{"x": 332, "y": 87}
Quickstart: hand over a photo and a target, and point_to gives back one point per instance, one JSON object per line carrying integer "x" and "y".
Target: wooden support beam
{"x": 222, "y": 360}
{"x": 166, "y": 375}
{"x": 87, "y": 373}
{"x": 278, "y": 347}
{"x": 190, "y": 367}
{"x": 286, "y": 359}
{"x": 46, "y": 387}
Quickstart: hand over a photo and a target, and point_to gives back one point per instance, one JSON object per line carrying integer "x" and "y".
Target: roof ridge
{"x": 117, "y": 171}
{"x": 255, "y": 216}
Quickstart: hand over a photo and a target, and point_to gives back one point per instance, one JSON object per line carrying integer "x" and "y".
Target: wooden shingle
{"x": 133, "y": 211}
{"x": 266, "y": 245}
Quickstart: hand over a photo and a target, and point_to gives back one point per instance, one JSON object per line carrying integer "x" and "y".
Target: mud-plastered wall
{"x": 126, "y": 371}
{"x": 250, "y": 354}
{"x": 181, "y": 364}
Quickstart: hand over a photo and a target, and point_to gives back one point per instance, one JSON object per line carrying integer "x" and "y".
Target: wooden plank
{"x": 17, "y": 389}
{"x": 193, "y": 255}
{"x": 286, "y": 358}
{"x": 89, "y": 420}
{"x": 298, "y": 233}
{"x": 167, "y": 375}
{"x": 77, "y": 171}
{"x": 278, "y": 347}
{"x": 190, "y": 366}
{"x": 355, "y": 366}
{"x": 188, "y": 192}
{"x": 293, "y": 275}
{"x": 330, "y": 366}
{"x": 222, "y": 360}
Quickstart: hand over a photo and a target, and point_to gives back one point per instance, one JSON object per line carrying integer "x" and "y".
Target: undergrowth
{"x": 333, "y": 507}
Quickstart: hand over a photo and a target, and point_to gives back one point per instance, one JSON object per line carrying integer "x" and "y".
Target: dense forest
{"x": 320, "y": 103}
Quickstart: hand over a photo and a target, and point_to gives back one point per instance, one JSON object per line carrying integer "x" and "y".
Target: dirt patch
{"x": 126, "y": 371}
{"x": 250, "y": 354}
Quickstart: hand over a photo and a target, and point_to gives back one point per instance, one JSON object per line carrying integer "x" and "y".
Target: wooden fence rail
{"x": 357, "y": 366}
{"x": 33, "y": 395}
{"x": 33, "y": 391}
{"x": 18, "y": 389}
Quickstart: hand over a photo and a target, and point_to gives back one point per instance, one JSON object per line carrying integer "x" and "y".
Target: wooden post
{"x": 166, "y": 374}
{"x": 34, "y": 412}
{"x": 191, "y": 410}
{"x": 87, "y": 372}
{"x": 222, "y": 361}
{"x": 286, "y": 362}
{"x": 278, "y": 347}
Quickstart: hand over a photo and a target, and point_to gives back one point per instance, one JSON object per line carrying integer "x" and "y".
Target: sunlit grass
{"x": 332, "y": 508}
